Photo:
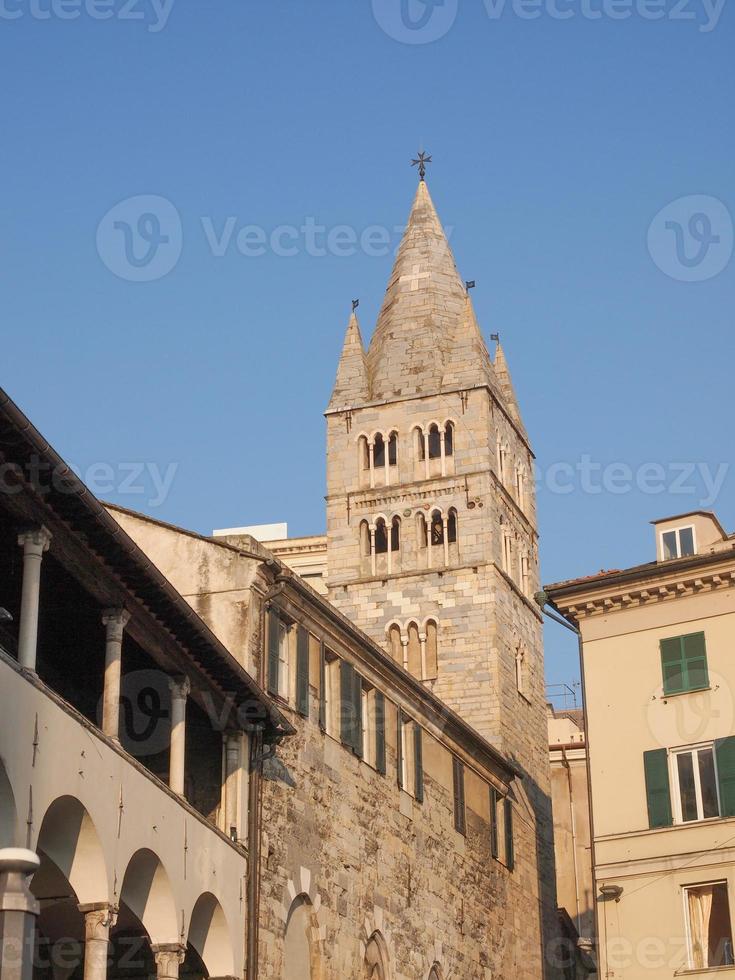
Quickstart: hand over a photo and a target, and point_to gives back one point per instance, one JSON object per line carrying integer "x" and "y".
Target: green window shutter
{"x": 357, "y": 714}
{"x": 658, "y": 792}
{"x": 273, "y": 631}
{"x": 418, "y": 760}
{"x": 672, "y": 666}
{"x": 684, "y": 663}
{"x": 380, "y": 732}
{"x": 510, "y": 854}
{"x": 399, "y": 746}
{"x": 725, "y": 758}
{"x": 322, "y": 689}
{"x": 346, "y": 686}
{"x": 302, "y": 672}
{"x": 460, "y": 823}
{"x": 493, "y": 822}
{"x": 695, "y": 658}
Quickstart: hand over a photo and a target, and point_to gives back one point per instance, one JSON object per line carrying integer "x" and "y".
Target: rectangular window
{"x": 330, "y": 694}
{"x": 406, "y": 754}
{"x": 510, "y": 859}
{"x": 677, "y": 543}
{"x": 709, "y": 929}
{"x": 302, "y": 672}
{"x": 279, "y": 636}
{"x": 350, "y": 708}
{"x": 684, "y": 663}
{"x": 695, "y": 779}
{"x": 380, "y": 732}
{"x": 493, "y": 822}
{"x": 460, "y": 817}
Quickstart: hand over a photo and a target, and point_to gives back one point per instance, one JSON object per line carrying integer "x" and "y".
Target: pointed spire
{"x": 469, "y": 364}
{"x": 423, "y": 307}
{"x": 351, "y": 386}
{"x": 507, "y": 390}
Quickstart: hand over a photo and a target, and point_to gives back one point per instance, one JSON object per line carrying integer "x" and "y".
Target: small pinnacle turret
{"x": 351, "y": 385}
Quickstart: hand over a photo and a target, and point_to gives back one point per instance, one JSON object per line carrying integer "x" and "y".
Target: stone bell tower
{"x": 432, "y": 546}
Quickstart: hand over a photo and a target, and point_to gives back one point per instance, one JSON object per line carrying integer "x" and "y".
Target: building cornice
{"x": 644, "y": 586}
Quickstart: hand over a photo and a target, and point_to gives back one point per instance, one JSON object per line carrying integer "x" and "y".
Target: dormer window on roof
{"x": 678, "y": 542}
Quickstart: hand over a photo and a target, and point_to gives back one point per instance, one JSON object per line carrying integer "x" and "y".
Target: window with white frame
{"x": 678, "y": 543}
{"x": 709, "y": 928}
{"x": 696, "y": 795}
{"x": 331, "y": 709}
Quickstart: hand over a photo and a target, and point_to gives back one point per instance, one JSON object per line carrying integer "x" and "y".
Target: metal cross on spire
{"x": 420, "y": 162}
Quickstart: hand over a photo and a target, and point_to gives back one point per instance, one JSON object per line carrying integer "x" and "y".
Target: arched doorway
{"x": 210, "y": 937}
{"x": 376, "y": 958}
{"x": 300, "y": 954}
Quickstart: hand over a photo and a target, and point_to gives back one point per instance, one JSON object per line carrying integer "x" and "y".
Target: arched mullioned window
{"x": 520, "y": 487}
{"x": 435, "y": 442}
{"x": 364, "y": 539}
{"x": 431, "y": 659}
{"x": 394, "y": 642}
{"x": 435, "y": 973}
{"x": 437, "y": 528}
{"x": 378, "y": 450}
{"x": 395, "y": 534}
{"x": 363, "y": 453}
{"x": 414, "y": 649}
{"x": 421, "y": 531}
{"x": 381, "y": 537}
{"x": 452, "y": 526}
{"x": 419, "y": 443}
{"x": 448, "y": 438}
{"x": 393, "y": 449}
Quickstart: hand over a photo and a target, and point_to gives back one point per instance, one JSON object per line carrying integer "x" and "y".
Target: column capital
{"x": 112, "y": 618}
{"x": 168, "y": 957}
{"x": 99, "y": 918}
{"x": 35, "y": 540}
{"x": 179, "y": 687}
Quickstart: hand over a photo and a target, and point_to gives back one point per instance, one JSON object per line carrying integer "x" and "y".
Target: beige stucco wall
{"x": 643, "y": 934}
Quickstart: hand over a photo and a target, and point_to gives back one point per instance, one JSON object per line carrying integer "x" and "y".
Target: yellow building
{"x": 659, "y": 676}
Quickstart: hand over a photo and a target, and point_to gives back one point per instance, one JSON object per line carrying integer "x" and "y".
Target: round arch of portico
{"x": 147, "y": 892}
{"x": 69, "y": 838}
{"x": 211, "y": 936}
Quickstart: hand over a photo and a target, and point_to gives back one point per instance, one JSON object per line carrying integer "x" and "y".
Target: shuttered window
{"x": 274, "y": 624}
{"x": 399, "y": 746}
{"x": 460, "y": 823}
{"x": 725, "y": 757}
{"x": 510, "y": 853}
{"x": 351, "y": 707}
{"x": 493, "y": 822}
{"x": 380, "y": 732}
{"x": 684, "y": 663}
{"x": 418, "y": 763}
{"x": 658, "y": 791}
{"x": 322, "y": 688}
{"x": 302, "y": 672}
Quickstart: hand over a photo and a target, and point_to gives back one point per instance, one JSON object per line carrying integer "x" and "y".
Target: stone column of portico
{"x": 373, "y": 556}
{"x": 404, "y": 644}
{"x": 426, "y": 454}
{"x": 445, "y": 531}
{"x": 422, "y": 641}
{"x": 442, "y": 450}
{"x": 34, "y": 542}
{"x": 371, "y": 458}
{"x": 168, "y": 957}
{"x": 98, "y": 920}
{"x": 18, "y": 913}
{"x": 179, "y": 687}
{"x": 114, "y": 621}
{"x": 233, "y": 765}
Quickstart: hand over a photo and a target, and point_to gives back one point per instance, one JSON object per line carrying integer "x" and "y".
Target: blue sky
{"x": 556, "y": 144}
